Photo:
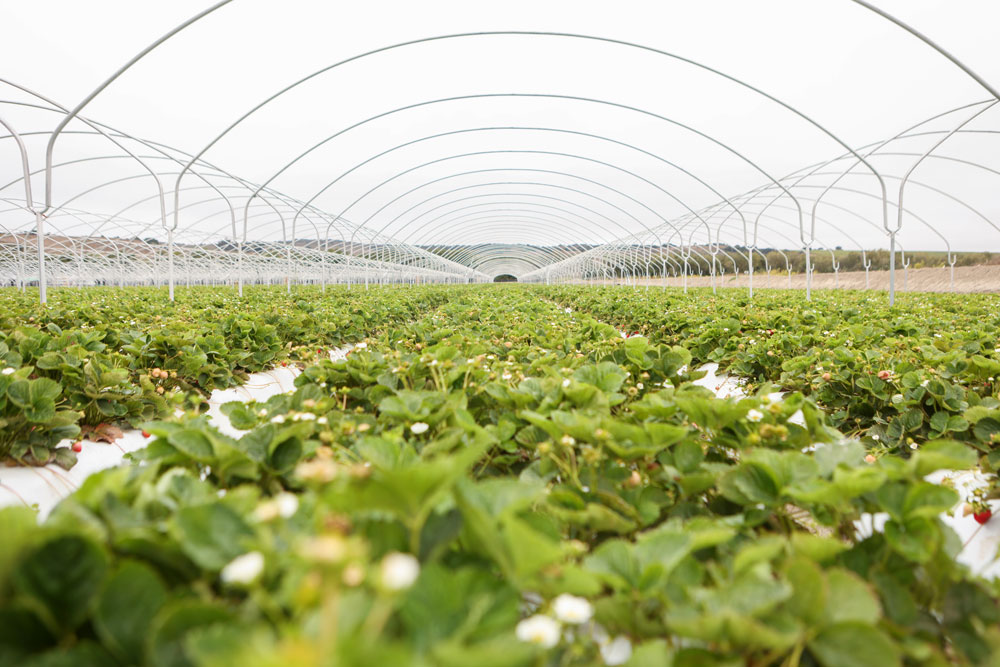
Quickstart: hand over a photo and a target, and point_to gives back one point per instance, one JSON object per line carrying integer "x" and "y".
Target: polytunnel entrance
{"x": 505, "y": 278}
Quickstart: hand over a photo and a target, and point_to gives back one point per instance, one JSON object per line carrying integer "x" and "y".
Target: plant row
{"x": 93, "y": 358}
{"x": 897, "y": 377}
{"x": 501, "y": 481}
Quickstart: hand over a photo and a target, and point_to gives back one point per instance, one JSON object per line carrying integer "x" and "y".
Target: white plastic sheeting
{"x": 43, "y": 487}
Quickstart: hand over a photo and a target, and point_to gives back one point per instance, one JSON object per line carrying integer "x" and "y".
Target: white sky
{"x": 858, "y": 75}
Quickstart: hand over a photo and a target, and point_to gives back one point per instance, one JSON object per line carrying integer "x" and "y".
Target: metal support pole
{"x": 42, "y": 279}
{"x": 808, "y": 275}
{"x": 170, "y": 262}
{"x": 892, "y": 268}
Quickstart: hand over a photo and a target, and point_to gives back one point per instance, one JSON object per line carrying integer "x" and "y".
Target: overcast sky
{"x": 860, "y": 77}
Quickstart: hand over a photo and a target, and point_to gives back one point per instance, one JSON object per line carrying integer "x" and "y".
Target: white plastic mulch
{"x": 980, "y": 543}
{"x": 44, "y": 487}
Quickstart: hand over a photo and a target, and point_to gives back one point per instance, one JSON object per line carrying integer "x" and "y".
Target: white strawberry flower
{"x": 243, "y": 570}
{"x": 278, "y": 419}
{"x": 399, "y": 571}
{"x": 418, "y": 427}
{"x": 362, "y": 345}
{"x": 8, "y": 371}
{"x": 539, "y": 629}
{"x": 572, "y": 609}
{"x": 288, "y": 504}
{"x": 284, "y": 505}
{"x": 565, "y": 383}
{"x": 754, "y": 415}
{"x": 618, "y": 651}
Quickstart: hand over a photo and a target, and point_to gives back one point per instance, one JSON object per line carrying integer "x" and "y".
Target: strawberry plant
{"x": 488, "y": 478}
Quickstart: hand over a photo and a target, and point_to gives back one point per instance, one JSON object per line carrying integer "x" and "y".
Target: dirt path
{"x": 967, "y": 279}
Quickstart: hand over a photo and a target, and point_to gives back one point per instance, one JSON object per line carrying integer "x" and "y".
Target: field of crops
{"x": 503, "y": 475}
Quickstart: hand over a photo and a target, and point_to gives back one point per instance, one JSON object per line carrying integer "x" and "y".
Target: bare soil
{"x": 967, "y": 279}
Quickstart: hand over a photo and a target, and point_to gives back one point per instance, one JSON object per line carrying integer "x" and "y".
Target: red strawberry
{"x": 284, "y": 363}
{"x": 982, "y": 517}
{"x": 78, "y": 447}
{"x": 145, "y": 434}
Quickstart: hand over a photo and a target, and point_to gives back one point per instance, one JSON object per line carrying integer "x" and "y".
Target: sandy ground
{"x": 967, "y": 279}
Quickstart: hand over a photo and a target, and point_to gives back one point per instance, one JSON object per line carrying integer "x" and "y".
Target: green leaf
{"x": 809, "y": 590}
{"x": 194, "y": 443}
{"x": 663, "y": 547}
{"x": 916, "y": 539}
{"x": 853, "y": 482}
{"x": 62, "y": 576}
{"x": 21, "y": 633}
{"x": 939, "y": 421}
{"x": 928, "y": 500}
{"x": 449, "y": 595}
{"x": 125, "y": 610}
{"x": 241, "y": 416}
{"x": 530, "y": 549}
{"x": 762, "y": 549}
{"x": 167, "y": 645}
{"x": 85, "y": 654}
{"x": 652, "y": 653}
{"x": 749, "y": 483}
{"x": 853, "y": 645}
{"x": 896, "y": 598}
{"x": 688, "y": 455}
{"x": 986, "y": 428}
{"x": 848, "y": 452}
{"x": 616, "y": 561}
{"x": 211, "y": 535}
{"x": 944, "y": 455}
{"x": 19, "y": 531}
{"x": 606, "y": 376}
{"x": 850, "y": 599}
{"x": 35, "y": 397}
{"x": 817, "y": 548}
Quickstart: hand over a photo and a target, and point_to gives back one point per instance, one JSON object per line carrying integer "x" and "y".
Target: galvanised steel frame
{"x": 440, "y": 220}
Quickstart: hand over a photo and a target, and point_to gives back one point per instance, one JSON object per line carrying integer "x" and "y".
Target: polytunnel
{"x": 447, "y": 333}
{"x": 224, "y": 145}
